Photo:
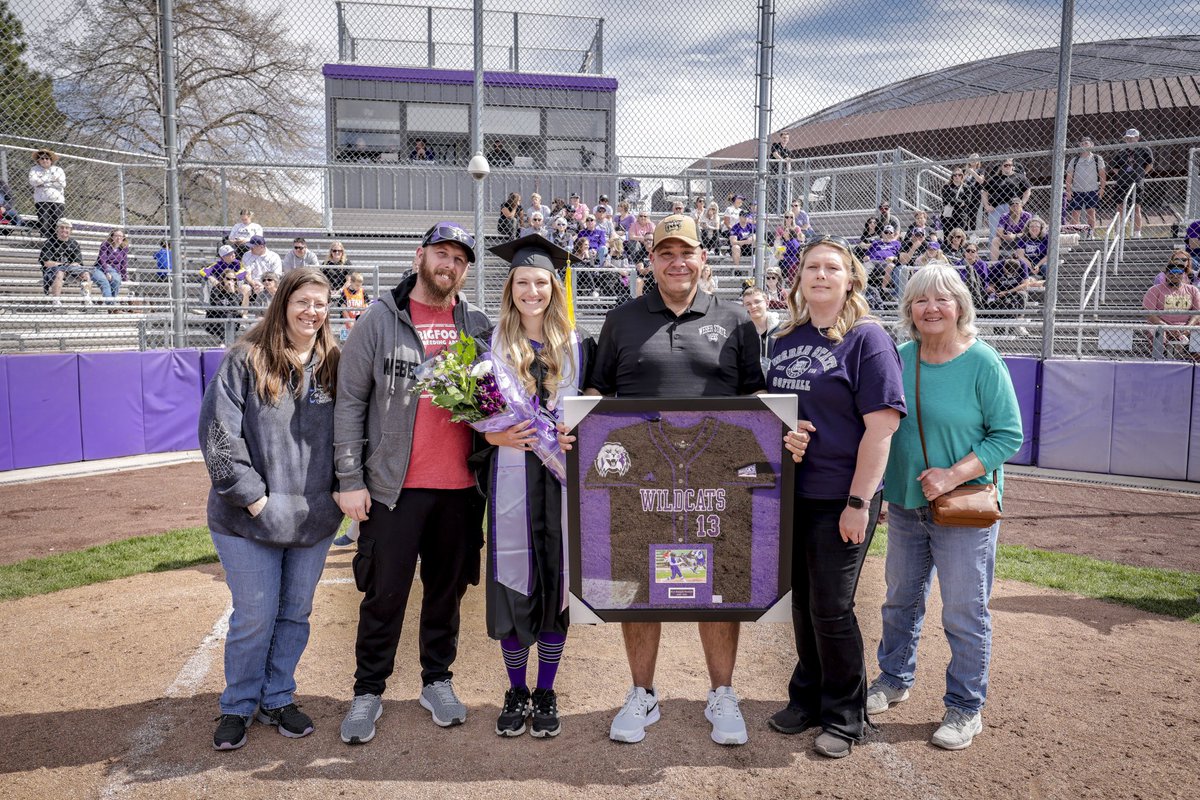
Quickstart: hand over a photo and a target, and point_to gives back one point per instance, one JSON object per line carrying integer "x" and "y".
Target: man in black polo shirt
{"x": 60, "y": 257}
{"x": 677, "y": 341}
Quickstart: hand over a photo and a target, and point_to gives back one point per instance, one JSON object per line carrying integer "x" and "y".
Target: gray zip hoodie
{"x": 281, "y": 452}
{"x": 376, "y": 407}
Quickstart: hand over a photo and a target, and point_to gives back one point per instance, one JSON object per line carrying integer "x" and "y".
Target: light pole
{"x": 479, "y": 168}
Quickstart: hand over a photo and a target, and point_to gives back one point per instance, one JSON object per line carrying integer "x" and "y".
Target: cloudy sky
{"x": 687, "y": 74}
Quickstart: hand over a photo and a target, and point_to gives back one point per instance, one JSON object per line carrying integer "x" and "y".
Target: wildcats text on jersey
{"x": 674, "y": 501}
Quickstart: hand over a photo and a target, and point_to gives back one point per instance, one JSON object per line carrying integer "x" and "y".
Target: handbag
{"x": 975, "y": 505}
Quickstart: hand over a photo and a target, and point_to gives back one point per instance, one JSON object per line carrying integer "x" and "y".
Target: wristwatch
{"x": 854, "y": 501}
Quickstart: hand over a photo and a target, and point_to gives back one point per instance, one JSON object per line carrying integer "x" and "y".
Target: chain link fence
{"x": 352, "y": 121}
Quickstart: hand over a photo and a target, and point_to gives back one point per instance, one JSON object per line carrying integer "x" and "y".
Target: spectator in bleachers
{"x": 163, "y": 261}
{"x": 227, "y": 261}
{"x": 788, "y": 222}
{"x": 604, "y": 221}
{"x": 742, "y": 237}
{"x": 499, "y": 156}
{"x": 1179, "y": 258}
{"x": 698, "y": 209}
{"x": 710, "y": 228}
{"x": 999, "y": 190}
{"x": 974, "y": 179}
{"x": 1084, "y": 184}
{"x": 536, "y": 204}
{"x": 9, "y": 218}
{"x": 1179, "y": 298}
{"x": 882, "y": 256}
{"x": 1009, "y": 285}
{"x": 270, "y": 285}
{"x": 870, "y": 232}
{"x": 112, "y": 265}
{"x": 240, "y": 234}
{"x": 226, "y": 300}
{"x": 258, "y": 261}
{"x": 352, "y": 299}
{"x": 61, "y": 257}
{"x": 957, "y": 198}
{"x": 624, "y": 217}
{"x": 1131, "y": 165}
{"x": 765, "y": 321}
{"x": 708, "y": 283}
{"x": 511, "y": 216}
{"x": 733, "y": 213}
{"x": 577, "y": 210}
{"x": 778, "y": 163}
{"x": 934, "y": 254}
{"x": 597, "y": 240}
{"x": 916, "y": 240}
{"x": 677, "y": 208}
{"x": 603, "y": 203}
{"x": 975, "y": 273}
{"x": 49, "y": 184}
{"x": 801, "y": 217}
{"x": 337, "y": 266}
{"x": 536, "y": 225}
{"x": 775, "y": 289}
{"x": 421, "y": 151}
{"x": 1033, "y": 246}
{"x": 791, "y": 245}
{"x": 953, "y": 246}
{"x": 640, "y": 234}
{"x": 1009, "y": 227}
{"x": 562, "y": 235}
{"x": 1191, "y": 239}
{"x": 620, "y": 263}
{"x": 886, "y": 217}
{"x": 299, "y": 256}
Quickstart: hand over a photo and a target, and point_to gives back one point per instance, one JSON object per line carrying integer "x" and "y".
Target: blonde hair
{"x": 941, "y": 279}
{"x": 556, "y": 354}
{"x": 272, "y": 360}
{"x": 341, "y": 256}
{"x": 854, "y": 311}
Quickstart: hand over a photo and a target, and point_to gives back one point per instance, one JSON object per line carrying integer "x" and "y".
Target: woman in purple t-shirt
{"x": 843, "y": 367}
{"x": 1033, "y": 246}
{"x": 1010, "y": 227}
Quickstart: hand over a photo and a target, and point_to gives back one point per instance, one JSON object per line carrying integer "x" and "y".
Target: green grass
{"x": 177, "y": 549}
{"x": 1172, "y": 593}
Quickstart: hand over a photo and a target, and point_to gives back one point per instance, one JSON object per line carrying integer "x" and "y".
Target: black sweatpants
{"x": 444, "y": 527}
{"x": 830, "y": 679}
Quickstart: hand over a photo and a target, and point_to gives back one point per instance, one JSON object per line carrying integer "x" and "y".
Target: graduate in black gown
{"x": 527, "y": 563}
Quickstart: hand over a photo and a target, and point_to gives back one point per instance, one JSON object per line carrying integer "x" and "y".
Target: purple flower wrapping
{"x": 521, "y": 407}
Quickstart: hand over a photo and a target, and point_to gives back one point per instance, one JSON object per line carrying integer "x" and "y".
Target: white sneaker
{"x": 87, "y": 299}
{"x": 723, "y": 711}
{"x": 958, "y": 729}
{"x": 640, "y": 710}
{"x": 56, "y": 302}
{"x": 1137, "y": 234}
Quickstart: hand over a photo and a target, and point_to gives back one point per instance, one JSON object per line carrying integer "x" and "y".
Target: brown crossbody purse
{"x": 975, "y": 505}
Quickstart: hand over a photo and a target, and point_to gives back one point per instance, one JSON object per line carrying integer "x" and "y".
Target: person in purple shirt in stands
{"x": 741, "y": 237}
{"x": 843, "y": 367}
{"x": 112, "y": 265}
{"x": 881, "y": 257}
{"x": 1010, "y": 226}
{"x": 1192, "y": 241}
{"x": 597, "y": 239}
{"x": 1033, "y": 245}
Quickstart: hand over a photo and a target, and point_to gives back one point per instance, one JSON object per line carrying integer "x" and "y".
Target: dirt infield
{"x": 109, "y": 691}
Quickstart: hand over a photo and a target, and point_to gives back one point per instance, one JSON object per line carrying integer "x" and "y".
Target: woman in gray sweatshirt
{"x": 266, "y": 431}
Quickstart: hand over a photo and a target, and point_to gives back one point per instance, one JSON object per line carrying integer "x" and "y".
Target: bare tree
{"x": 246, "y": 89}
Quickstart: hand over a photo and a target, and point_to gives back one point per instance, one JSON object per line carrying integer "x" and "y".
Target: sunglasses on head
{"x": 448, "y": 232}
{"x": 825, "y": 238}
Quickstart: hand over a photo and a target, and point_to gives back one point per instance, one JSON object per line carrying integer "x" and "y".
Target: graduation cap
{"x": 533, "y": 250}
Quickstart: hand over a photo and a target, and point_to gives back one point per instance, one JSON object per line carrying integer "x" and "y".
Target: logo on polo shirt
{"x": 714, "y": 332}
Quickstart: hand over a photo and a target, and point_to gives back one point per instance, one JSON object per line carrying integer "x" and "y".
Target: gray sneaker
{"x": 439, "y": 699}
{"x": 728, "y": 725}
{"x": 359, "y": 725}
{"x": 640, "y": 710}
{"x": 881, "y": 697}
{"x": 958, "y": 729}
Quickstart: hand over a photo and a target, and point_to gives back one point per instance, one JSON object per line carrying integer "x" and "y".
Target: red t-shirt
{"x": 440, "y": 447}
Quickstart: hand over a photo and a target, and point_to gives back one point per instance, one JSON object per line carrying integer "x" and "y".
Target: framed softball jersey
{"x": 679, "y": 509}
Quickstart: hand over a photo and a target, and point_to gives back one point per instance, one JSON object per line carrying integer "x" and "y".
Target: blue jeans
{"x": 272, "y": 590}
{"x": 998, "y": 212}
{"x": 108, "y": 280}
{"x": 965, "y": 562}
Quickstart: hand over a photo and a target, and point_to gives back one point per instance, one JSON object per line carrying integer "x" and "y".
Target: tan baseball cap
{"x": 676, "y": 226}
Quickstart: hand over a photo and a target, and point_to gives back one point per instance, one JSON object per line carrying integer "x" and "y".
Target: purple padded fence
{"x": 1194, "y": 451}
{"x": 1152, "y": 407}
{"x": 1077, "y": 415}
{"x": 210, "y": 360}
{"x": 43, "y": 408}
{"x": 171, "y": 392}
{"x": 110, "y": 400}
{"x": 1026, "y": 374}
{"x": 6, "y": 450}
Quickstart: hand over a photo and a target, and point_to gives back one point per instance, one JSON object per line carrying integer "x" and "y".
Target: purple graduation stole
{"x": 512, "y": 534}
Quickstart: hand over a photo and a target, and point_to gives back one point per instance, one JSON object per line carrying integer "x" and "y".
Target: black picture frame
{"x": 584, "y": 413}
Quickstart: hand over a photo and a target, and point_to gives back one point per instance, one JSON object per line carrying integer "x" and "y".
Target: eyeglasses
{"x": 1007, "y": 165}
{"x": 336, "y": 250}
{"x": 309, "y": 305}
{"x": 270, "y": 280}
{"x": 970, "y": 250}
{"x": 957, "y": 175}
{"x": 299, "y": 247}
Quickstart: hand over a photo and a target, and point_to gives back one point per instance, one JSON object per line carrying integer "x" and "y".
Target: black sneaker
{"x": 511, "y": 721}
{"x": 291, "y": 721}
{"x": 231, "y": 732}
{"x": 545, "y": 714}
{"x": 790, "y": 719}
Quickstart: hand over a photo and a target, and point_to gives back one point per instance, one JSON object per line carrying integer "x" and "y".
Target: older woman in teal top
{"x": 972, "y": 426}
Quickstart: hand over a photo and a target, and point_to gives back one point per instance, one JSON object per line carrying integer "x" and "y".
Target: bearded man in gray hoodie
{"x": 402, "y": 468}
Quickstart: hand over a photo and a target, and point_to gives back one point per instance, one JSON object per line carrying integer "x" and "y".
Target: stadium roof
{"x": 1114, "y": 83}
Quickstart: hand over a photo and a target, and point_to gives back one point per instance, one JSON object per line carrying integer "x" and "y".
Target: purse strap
{"x": 921, "y": 428}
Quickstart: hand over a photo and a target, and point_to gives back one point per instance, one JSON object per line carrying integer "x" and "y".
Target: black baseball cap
{"x": 450, "y": 232}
